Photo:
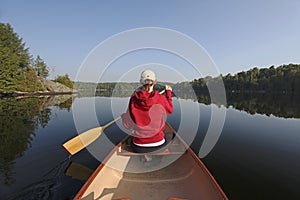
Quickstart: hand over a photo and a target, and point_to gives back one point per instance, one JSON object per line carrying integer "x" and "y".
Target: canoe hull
{"x": 174, "y": 173}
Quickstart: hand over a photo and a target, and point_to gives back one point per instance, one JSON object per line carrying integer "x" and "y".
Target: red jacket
{"x": 145, "y": 115}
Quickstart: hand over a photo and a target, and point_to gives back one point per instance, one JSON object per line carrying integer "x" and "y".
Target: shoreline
{"x": 33, "y": 94}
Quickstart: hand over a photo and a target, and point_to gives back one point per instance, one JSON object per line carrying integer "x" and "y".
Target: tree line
{"x": 282, "y": 79}
{"x": 116, "y": 89}
{"x": 19, "y": 70}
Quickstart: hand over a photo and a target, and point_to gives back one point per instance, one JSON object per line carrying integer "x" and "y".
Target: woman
{"x": 145, "y": 115}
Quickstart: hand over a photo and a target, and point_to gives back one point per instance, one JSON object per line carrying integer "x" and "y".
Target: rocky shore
{"x": 55, "y": 87}
{"x": 51, "y": 88}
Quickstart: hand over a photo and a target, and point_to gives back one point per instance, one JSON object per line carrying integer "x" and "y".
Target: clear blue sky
{"x": 237, "y": 34}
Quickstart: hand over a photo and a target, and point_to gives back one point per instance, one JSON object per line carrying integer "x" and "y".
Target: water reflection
{"x": 279, "y": 105}
{"x": 286, "y": 105}
{"x": 19, "y": 118}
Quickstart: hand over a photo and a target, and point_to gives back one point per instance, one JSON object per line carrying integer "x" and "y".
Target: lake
{"x": 256, "y": 156}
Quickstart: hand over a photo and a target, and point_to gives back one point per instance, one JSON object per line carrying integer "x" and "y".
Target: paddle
{"x": 86, "y": 138}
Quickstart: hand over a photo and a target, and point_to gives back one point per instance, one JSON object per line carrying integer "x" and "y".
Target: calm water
{"x": 256, "y": 157}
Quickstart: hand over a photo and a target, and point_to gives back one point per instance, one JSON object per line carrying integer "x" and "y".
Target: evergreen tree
{"x": 13, "y": 58}
{"x": 40, "y": 67}
{"x": 15, "y": 69}
{"x": 29, "y": 82}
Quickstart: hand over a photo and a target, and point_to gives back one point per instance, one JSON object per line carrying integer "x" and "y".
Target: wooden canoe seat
{"x": 174, "y": 148}
{"x": 165, "y": 152}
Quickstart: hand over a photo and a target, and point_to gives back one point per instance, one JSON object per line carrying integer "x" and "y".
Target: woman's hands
{"x": 168, "y": 87}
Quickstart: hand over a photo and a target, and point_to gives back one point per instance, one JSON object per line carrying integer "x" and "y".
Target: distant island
{"x": 21, "y": 74}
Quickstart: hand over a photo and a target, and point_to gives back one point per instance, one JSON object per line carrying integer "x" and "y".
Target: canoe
{"x": 175, "y": 173}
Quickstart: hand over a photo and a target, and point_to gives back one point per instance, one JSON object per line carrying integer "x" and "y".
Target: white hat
{"x": 147, "y": 76}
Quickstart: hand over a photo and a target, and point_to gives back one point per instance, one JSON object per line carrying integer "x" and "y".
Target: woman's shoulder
{"x": 136, "y": 92}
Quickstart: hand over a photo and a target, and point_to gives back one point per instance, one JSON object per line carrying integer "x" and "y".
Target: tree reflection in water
{"x": 278, "y": 105}
{"x": 19, "y": 118}
{"x": 286, "y": 105}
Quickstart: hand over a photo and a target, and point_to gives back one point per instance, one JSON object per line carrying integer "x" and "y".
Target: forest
{"x": 19, "y": 70}
{"x": 282, "y": 79}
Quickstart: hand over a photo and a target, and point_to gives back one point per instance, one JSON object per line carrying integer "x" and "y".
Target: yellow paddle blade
{"x": 81, "y": 141}
{"x": 84, "y": 139}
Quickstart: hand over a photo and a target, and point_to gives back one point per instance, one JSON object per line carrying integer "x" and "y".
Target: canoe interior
{"x": 174, "y": 173}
